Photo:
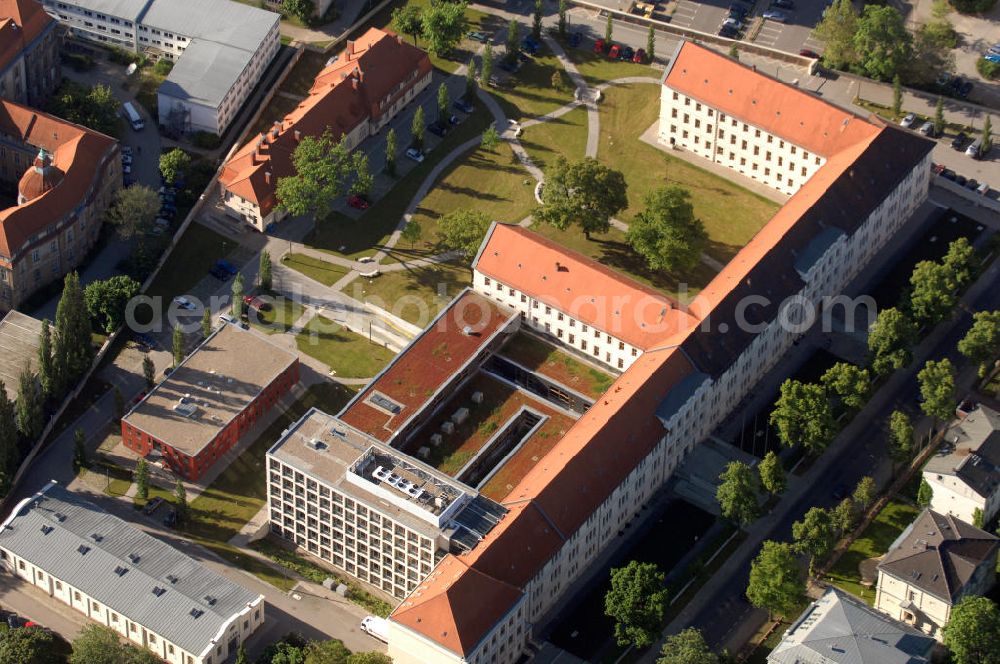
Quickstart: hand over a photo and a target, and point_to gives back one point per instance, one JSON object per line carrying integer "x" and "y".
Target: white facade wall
{"x": 239, "y": 629}
{"x": 742, "y": 147}
{"x": 953, "y": 496}
{"x": 932, "y": 613}
{"x": 363, "y": 542}
{"x": 563, "y": 328}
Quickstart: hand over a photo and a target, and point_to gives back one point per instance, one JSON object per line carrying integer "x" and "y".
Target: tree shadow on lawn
{"x": 622, "y": 257}
{"x": 470, "y": 193}
{"x": 721, "y": 251}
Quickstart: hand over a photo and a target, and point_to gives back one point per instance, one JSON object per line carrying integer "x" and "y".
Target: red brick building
{"x": 210, "y": 401}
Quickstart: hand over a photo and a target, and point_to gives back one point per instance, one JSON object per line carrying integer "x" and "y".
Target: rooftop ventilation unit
{"x": 185, "y": 409}
{"x": 47, "y": 529}
{"x": 134, "y": 557}
{"x": 316, "y": 444}
{"x": 172, "y": 579}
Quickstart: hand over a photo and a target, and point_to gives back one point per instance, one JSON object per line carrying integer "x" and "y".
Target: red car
{"x": 139, "y": 397}
{"x": 254, "y": 302}
{"x": 599, "y": 46}
{"x": 639, "y": 57}
{"x": 615, "y": 52}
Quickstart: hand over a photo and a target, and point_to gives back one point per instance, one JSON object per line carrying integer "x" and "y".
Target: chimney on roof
{"x": 267, "y": 177}
{"x": 298, "y": 135}
{"x": 350, "y": 47}
{"x": 354, "y": 83}
{"x": 399, "y": 38}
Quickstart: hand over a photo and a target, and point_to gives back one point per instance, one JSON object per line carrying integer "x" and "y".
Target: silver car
{"x": 908, "y": 121}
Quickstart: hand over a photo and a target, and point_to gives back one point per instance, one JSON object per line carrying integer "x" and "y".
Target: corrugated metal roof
{"x": 121, "y": 567}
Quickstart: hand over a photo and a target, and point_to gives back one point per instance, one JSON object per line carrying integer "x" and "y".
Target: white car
{"x": 775, "y": 15}
{"x": 415, "y": 154}
{"x": 908, "y": 121}
{"x": 184, "y": 303}
{"x": 126, "y": 159}
{"x": 227, "y": 318}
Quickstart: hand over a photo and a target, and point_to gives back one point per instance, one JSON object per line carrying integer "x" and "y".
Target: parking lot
{"x": 796, "y": 33}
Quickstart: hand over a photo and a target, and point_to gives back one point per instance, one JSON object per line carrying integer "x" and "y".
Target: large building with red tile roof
{"x": 29, "y": 52}
{"x": 570, "y": 505}
{"x": 66, "y": 177}
{"x": 354, "y": 96}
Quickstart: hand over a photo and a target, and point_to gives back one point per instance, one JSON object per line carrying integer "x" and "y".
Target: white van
{"x": 973, "y": 149}
{"x": 132, "y": 115}
{"x": 377, "y": 627}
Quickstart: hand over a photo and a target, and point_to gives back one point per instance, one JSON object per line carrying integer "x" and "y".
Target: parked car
{"x": 454, "y": 120}
{"x": 972, "y": 184}
{"x": 738, "y": 9}
{"x": 958, "y": 142}
{"x": 927, "y": 129}
{"x": 529, "y": 45}
{"x": 145, "y": 340}
{"x": 437, "y": 128}
{"x": 463, "y": 106}
{"x": 783, "y": 4}
{"x": 219, "y": 273}
{"x": 13, "y": 621}
{"x": 476, "y": 35}
{"x": 964, "y": 89}
{"x": 415, "y": 154}
{"x": 960, "y": 180}
{"x": 908, "y": 121}
{"x": 736, "y": 15}
{"x": 809, "y": 53}
{"x": 126, "y": 169}
{"x": 775, "y": 15}
{"x": 184, "y": 303}
{"x": 733, "y": 24}
{"x": 139, "y": 397}
{"x": 152, "y": 506}
{"x": 227, "y": 266}
{"x": 640, "y": 56}
{"x": 615, "y": 52}
{"x": 255, "y": 302}
{"x": 126, "y": 159}
{"x": 510, "y": 66}
{"x": 599, "y": 46}
{"x": 627, "y": 53}
{"x": 170, "y": 520}
{"x": 948, "y": 174}
{"x": 992, "y": 57}
{"x": 126, "y": 149}
{"x": 575, "y": 39}
{"x": 729, "y": 32}
{"x": 227, "y": 318}
{"x": 983, "y": 189}
{"x": 973, "y": 149}
{"x": 358, "y": 202}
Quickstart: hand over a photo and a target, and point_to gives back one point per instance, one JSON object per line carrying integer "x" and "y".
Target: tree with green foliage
{"x": 95, "y": 106}
{"x": 237, "y": 291}
{"x": 74, "y": 349}
{"x": 939, "y": 116}
{"x": 734, "y": 52}
{"x": 836, "y": 30}
{"x": 206, "y": 322}
{"x": 666, "y": 233}
{"x": 960, "y": 260}
{"x": 558, "y": 80}
{"x": 973, "y": 631}
{"x": 322, "y": 165}
{"x": 332, "y": 651}
{"x": 417, "y": 127}
{"x": 46, "y": 371}
{"x": 864, "y": 492}
{"x": 106, "y": 300}
{"x": 609, "y": 28}
{"x": 174, "y": 163}
{"x": 977, "y": 518}
{"x": 584, "y": 192}
{"x": 303, "y": 10}
{"x": 772, "y": 474}
{"x": 29, "y": 645}
{"x": 10, "y": 456}
{"x": 470, "y": 80}
{"x": 981, "y": 343}
{"x": 80, "y": 460}
{"x": 443, "y": 102}
{"x": 241, "y": 655}
{"x": 142, "y": 478}
{"x": 444, "y": 25}
{"x": 815, "y": 535}
{"x": 986, "y": 138}
{"x": 463, "y": 231}
{"x": 97, "y": 644}
{"x": 932, "y": 294}
{"x": 925, "y": 493}
{"x": 889, "y": 340}
{"x": 363, "y": 179}
{"x": 372, "y": 657}
{"x": 900, "y": 437}
{"x": 897, "y": 97}
{"x": 30, "y": 409}
{"x": 937, "y": 390}
{"x": 737, "y": 494}
{"x": 882, "y": 42}
{"x": 180, "y": 500}
{"x": 843, "y": 516}
{"x": 390, "y": 152}
{"x": 264, "y": 271}
{"x": 119, "y": 404}
{"x": 776, "y": 582}
{"x": 803, "y": 416}
{"x": 513, "y": 41}
{"x": 490, "y": 139}
{"x": 149, "y": 371}
{"x": 486, "y": 68}
{"x": 133, "y": 211}
{"x": 407, "y": 20}
{"x": 849, "y": 383}
{"x": 636, "y": 602}
{"x": 563, "y": 8}
{"x": 536, "y": 21}
{"x": 686, "y": 647}
{"x": 651, "y": 44}
{"x": 177, "y": 340}
{"x": 412, "y": 232}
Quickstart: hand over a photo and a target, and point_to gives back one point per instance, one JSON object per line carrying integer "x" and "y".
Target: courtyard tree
{"x": 470, "y": 80}
{"x": 686, "y": 647}
{"x": 417, "y": 127}
{"x": 30, "y": 411}
{"x": 513, "y": 41}
{"x": 206, "y": 322}
{"x": 444, "y": 25}
{"x": 331, "y": 651}
{"x": 815, "y": 535}
{"x": 536, "y": 21}
{"x": 407, "y": 20}
{"x": 897, "y": 97}
{"x": 180, "y": 501}
{"x": 322, "y": 164}
{"x": 370, "y": 657}
{"x": 772, "y": 474}
{"x": 133, "y": 210}
{"x": 303, "y": 10}
{"x": 939, "y": 117}
{"x": 973, "y": 632}
{"x": 97, "y": 644}
{"x": 864, "y": 493}
{"x": 981, "y": 343}
{"x": 237, "y": 290}
{"x": 80, "y": 460}
{"x": 585, "y": 192}
{"x": 490, "y": 139}
{"x": 882, "y": 42}
{"x": 31, "y": 645}
{"x": 636, "y": 602}
{"x": 177, "y": 343}
{"x": 443, "y": 101}
{"x": 609, "y": 29}
{"x": 106, "y": 300}
{"x": 843, "y": 516}
{"x": 977, "y": 518}
{"x": 900, "y": 437}
{"x": 563, "y": 8}
{"x": 264, "y": 270}
{"x": 94, "y": 106}
{"x": 148, "y": 371}
{"x": 737, "y": 494}
{"x": 776, "y": 582}
{"x": 142, "y": 478}
{"x": 849, "y": 383}
{"x": 174, "y": 163}
{"x": 9, "y": 454}
{"x": 462, "y": 231}
{"x": 803, "y": 416}
{"x": 46, "y": 371}
{"x": 986, "y": 137}
{"x": 363, "y": 179}
{"x": 960, "y": 261}
{"x": 412, "y": 232}
{"x": 836, "y": 30}
{"x": 889, "y": 340}
{"x": 932, "y": 292}
{"x": 486, "y": 70}
{"x": 73, "y": 348}
{"x": 925, "y": 493}
{"x": 666, "y": 233}
{"x": 390, "y": 151}
{"x": 651, "y": 44}
{"x": 937, "y": 390}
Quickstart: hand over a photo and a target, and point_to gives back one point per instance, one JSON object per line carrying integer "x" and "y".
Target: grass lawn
{"x": 279, "y": 317}
{"x": 418, "y": 294}
{"x": 873, "y": 542}
{"x": 115, "y": 479}
{"x": 532, "y": 353}
{"x": 731, "y": 214}
{"x": 236, "y": 495}
{"x": 531, "y": 93}
{"x": 598, "y": 68}
{"x": 190, "y": 261}
{"x": 279, "y": 107}
{"x": 322, "y": 271}
{"x": 359, "y": 237}
{"x": 348, "y": 354}
{"x": 300, "y": 79}
{"x": 565, "y": 135}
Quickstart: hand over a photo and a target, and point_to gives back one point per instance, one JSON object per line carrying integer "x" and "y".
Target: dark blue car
{"x": 225, "y": 265}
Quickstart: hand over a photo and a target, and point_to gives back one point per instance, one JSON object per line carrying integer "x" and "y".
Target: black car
{"x": 958, "y": 142}
{"x": 783, "y": 4}
{"x": 575, "y": 39}
{"x": 437, "y": 128}
{"x": 627, "y": 53}
{"x": 152, "y": 506}
{"x": 948, "y": 174}
{"x": 219, "y": 274}
{"x": 972, "y": 184}
{"x": 960, "y": 180}
{"x": 965, "y": 89}
{"x": 170, "y": 520}
{"x": 13, "y": 621}
{"x": 463, "y": 106}
{"x": 729, "y": 32}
